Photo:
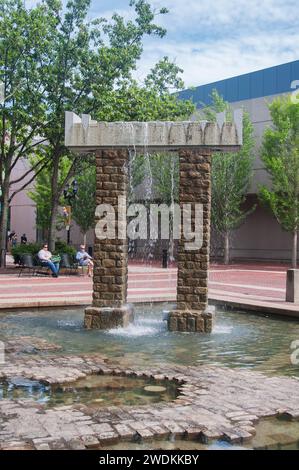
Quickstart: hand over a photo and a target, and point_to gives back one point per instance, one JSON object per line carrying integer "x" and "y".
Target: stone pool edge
{"x": 285, "y": 309}
{"x": 214, "y": 403}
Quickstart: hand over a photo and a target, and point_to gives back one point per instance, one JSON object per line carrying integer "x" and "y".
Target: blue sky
{"x": 216, "y": 40}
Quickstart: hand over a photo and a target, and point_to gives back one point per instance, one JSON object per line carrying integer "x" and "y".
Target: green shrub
{"x": 63, "y": 247}
{"x": 33, "y": 249}
{"x": 19, "y": 250}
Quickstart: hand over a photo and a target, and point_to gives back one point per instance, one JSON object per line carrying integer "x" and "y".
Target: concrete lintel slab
{"x": 84, "y": 134}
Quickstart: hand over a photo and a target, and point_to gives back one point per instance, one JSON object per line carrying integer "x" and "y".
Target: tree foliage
{"x": 280, "y": 155}
{"x": 90, "y": 71}
{"x": 24, "y": 53}
{"x": 164, "y": 169}
{"x": 231, "y": 177}
{"x": 41, "y": 194}
{"x": 84, "y": 206}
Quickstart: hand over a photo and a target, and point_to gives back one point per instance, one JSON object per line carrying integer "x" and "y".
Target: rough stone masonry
{"x": 191, "y": 313}
{"x": 201, "y": 411}
{"x": 110, "y": 309}
{"x": 195, "y": 142}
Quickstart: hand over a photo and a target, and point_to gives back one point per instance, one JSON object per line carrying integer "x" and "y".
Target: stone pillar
{"x": 191, "y": 313}
{"x": 109, "y": 308}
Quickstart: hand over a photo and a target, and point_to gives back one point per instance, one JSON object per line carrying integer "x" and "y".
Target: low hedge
{"x": 19, "y": 250}
{"x": 63, "y": 247}
{"x": 33, "y": 248}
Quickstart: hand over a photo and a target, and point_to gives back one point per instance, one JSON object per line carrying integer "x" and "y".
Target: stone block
{"x": 182, "y": 323}
{"x": 200, "y": 324}
{"x": 90, "y": 442}
{"x": 88, "y": 321}
{"x": 191, "y": 320}
{"x": 191, "y": 324}
{"x": 108, "y": 318}
{"x": 172, "y": 323}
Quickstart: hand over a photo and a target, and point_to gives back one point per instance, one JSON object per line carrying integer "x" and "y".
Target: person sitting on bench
{"x": 84, "y": 259}
{"x": 45, "y": 257}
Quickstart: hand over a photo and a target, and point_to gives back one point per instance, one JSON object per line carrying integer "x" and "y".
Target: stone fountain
{"x": 195, "y": 143}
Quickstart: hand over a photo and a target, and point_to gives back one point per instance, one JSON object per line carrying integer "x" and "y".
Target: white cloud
{"x": 213, "y": 41}
{"x": 217, "y": 60}
{"x": 227, "y": 12}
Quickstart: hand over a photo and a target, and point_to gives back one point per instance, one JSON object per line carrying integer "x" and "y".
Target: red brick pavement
{"x": 258, "y": 287}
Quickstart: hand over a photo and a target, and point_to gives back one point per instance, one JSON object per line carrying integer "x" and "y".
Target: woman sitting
{"x": 45, "y": 257}
{"x": 85, "y": 259}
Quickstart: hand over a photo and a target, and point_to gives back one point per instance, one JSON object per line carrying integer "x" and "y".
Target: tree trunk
{"x": 84, "y": 238}
{"x": 52, "y": 228}
{"x": 54, "y": 203}
{"x": 226, "y": 248}
{"x": 4, "y": 223}
{"x": 294, "y": 250}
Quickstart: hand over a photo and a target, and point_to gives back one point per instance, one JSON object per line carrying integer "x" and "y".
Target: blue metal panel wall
{"x": 271, "y": 81}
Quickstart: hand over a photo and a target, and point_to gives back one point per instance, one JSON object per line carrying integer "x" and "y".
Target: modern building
{"x": 260, "y": 237}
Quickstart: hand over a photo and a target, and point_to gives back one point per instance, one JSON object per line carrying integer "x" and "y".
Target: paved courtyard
{"x": 201, "y": 412}
{"x": 253, "y": 287}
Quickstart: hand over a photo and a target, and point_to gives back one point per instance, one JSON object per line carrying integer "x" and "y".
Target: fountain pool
{"x": 238, "y": 340}
{"x": 268, "y": 433}
{"x": 94, "y": 391}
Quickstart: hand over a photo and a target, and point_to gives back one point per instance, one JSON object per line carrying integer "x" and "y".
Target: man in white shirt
{"x": 85, "y": 259}
{"x": 45, "y": 257}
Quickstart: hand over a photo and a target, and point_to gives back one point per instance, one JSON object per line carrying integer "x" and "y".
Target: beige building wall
{"x": 260, "y": 237}
{"x": 22, "y": 208}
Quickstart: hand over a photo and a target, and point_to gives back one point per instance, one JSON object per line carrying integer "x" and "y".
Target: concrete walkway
{"x": 250, "y": 287}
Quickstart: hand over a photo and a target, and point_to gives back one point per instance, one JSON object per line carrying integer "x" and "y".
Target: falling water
{"x": 149, "y": 247}
{"x": 171, "y": 242}
{"x": 129, "y": 129}
{"x": 148, "y": 169}
{"x": 132, "y": 156}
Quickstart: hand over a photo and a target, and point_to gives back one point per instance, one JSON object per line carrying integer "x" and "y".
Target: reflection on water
{"x": 276, "y": 434}
{"x": 94, "y": 390}
{"x": 238, "y": 340}
{"x": 271, "y": 434}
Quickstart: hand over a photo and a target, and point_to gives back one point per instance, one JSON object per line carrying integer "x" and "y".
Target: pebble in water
{"x": 154, "y": 388}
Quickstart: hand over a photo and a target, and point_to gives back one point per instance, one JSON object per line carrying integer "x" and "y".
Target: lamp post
{"x": 69, "y": 194}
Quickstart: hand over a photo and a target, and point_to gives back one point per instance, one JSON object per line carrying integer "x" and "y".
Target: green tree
{"x": 231, "y": 177}
{"x": 140, "y": 103}
{"x": 280, "y": 155}
{"x": 131, "y": 102}
{"x": 90, "y": 64}
{"x": 89, "y": 70}
{"x": 41, "y": 194}
{"x": 24, "y": 52}
{"x": 164, "y": 181}
{"x": 155, "y": 99}
{"x": 84, "y": 206}
{"x": 165, "y": 174}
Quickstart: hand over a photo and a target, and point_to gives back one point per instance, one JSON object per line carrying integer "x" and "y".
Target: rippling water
{"x": 238, "y": 340}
